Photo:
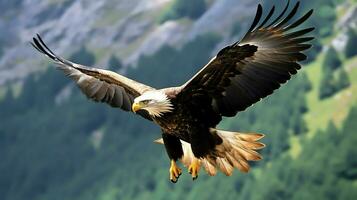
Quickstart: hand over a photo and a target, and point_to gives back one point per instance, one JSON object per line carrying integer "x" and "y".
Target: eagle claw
{"x": 194, "y": 168}
{"x": 175, "y": 172}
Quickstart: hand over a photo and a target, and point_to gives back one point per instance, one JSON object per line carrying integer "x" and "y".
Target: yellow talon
{"x": 194, "y": 168}
{"x": 175, "y": 172}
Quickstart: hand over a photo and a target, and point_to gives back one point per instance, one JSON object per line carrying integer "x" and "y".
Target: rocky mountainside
{"x": 126, "y": 28}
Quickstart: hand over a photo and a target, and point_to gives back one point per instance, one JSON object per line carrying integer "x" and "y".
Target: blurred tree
{"x": 27, "y": 97}
{"x": 348, "y": 156}
{"x": 332, "y": 59}
{"x": 298, "y": 124}
{"x": 305, "y": 82}
{"x": 6, "y": 103}
{"x": 114, "y": 63}
{"x": 327, "y": 84}
{"x": 330, "y": 84}
{"x": 351, "y": 49}
{"x": 342, "y": 80}
{"x": 83, "y": 56}
{"x": 327, "y": 14}
{"x": 324, "y": 17}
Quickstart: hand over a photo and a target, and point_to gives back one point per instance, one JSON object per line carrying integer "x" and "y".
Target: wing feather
{"x": 245, "y": 72}
{"x": 98, "y": 84}
{"x": 290, "y": 15}
{"x": 267, "y": 17}
{"x": 280, "y": 16}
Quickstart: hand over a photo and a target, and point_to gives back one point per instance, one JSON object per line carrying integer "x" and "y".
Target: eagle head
{"x": 154, "y": 102}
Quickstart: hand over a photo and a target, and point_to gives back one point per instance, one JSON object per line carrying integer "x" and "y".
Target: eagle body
{"x": 190, "y": 121}
{"x": 239, "y": 75}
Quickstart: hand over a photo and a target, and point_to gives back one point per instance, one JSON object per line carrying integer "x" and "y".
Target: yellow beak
{"x": 135, "y": 107}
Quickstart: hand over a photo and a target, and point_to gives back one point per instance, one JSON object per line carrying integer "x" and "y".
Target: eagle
{"x": 240, "y": 75}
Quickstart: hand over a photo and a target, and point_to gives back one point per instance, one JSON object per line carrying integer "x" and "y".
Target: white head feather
{"x": 158, "y": 103}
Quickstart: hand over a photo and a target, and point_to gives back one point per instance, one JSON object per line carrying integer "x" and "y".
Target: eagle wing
{"x": 98, "y": 84}
{"x": 247, "y": 71}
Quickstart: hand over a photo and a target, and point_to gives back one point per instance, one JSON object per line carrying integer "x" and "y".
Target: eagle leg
{"x": 174, "y": 151}
{"x": 175, "y": 171}
{"x": 194, "y": 168}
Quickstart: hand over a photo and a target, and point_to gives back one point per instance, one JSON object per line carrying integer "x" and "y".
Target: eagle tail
{"x": 234, "y": 152}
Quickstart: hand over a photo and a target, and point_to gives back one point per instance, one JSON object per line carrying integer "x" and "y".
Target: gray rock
{"x": 126, "y": 28}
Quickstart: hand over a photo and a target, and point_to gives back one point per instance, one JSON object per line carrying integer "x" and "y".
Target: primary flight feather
{"x": 237, "y": 77}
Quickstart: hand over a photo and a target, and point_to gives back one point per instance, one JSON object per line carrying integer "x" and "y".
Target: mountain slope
{"x": 126, "y": 28}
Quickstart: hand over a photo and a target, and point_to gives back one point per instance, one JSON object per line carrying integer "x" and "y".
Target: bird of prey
{"x": 237, "y": 77}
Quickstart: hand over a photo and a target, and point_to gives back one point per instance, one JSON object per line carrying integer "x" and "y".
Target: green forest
{"x": 67, "y": 147}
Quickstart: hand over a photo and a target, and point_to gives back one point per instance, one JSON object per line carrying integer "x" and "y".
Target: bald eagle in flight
{"x": 237, "y": 77}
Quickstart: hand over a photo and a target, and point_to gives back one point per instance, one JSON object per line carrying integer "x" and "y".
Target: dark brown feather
{"x": 247, "y": 71}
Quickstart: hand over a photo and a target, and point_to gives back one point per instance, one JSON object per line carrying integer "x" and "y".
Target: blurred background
{"x": 56, "y": 144}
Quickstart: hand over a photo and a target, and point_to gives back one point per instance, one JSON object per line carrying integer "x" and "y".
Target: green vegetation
{"x": 332, "y": 150}
{"x": 327, "y": 85}
{"x": 77, "y": 149}
{"x": 185, "y": 62}
{"x": 330, "y": 83}
{"x": 342, "y": 80}
{"x": 327, "y": 15}
{"x": 351, "y": 49}
{"x": 114, "y": 63}
{"x": 332, "y": 60}
{"x": 83, "y": 56}
{"x": 324, "y": 16}
{"x": 334, "y": 108}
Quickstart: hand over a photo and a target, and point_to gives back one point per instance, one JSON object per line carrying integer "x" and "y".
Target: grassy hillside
{"x": 334, "y": 108}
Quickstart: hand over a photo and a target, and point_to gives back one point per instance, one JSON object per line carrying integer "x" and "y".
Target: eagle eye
{"x": 145, "y": 101}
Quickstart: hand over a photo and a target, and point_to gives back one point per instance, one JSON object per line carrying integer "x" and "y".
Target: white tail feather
{"x": 234, "y": 152}
{"x": 224, "y": 166}
{"x": 188, "y": 156}
{"x": 210, "y": 169}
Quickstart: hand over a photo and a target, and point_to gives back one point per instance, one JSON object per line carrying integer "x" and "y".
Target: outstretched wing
{"x": 98, "y": 84}
{"x": 247, "y": 71}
